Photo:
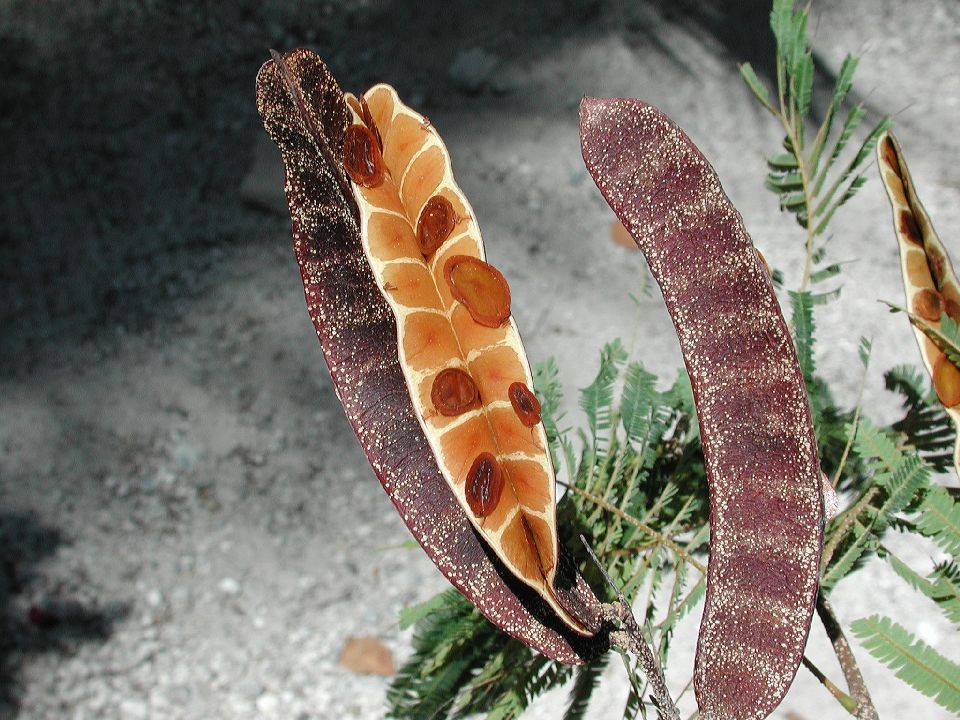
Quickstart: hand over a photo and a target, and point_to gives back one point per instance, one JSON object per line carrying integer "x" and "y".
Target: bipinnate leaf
{"x": 766, "y": 508}
{"x": 939, "y": 518}
{"x": 911, "y": 660}
{"x": 304, "y": 111}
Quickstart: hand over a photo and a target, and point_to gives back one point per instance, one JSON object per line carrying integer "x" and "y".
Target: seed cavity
{"x": 946, "y": 381}
{"x": 484, "y": 485}
{"x": 480, "y": 287}
{"x": 361, "y": 156}
{"x": 525, "y": 404}
{"x": 437, "y": 221}
{"x": 890, "y": 155}
{"x": 454, "y": 392}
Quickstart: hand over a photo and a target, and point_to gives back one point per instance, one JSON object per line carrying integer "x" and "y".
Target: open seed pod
{"x": 760, "y": 451}
{"x": 929, "y": 280}
{"x": 415, "y": 329}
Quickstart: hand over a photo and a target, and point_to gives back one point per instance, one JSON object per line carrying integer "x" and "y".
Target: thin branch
{"x": 630, "y": 638}
{"x": 848, "y": 663}
{"x": 849, "y": 704}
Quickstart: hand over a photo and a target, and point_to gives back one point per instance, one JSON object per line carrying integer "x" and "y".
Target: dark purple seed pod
{"x": 304, "y": 111}
{"x": 766, "y": 506}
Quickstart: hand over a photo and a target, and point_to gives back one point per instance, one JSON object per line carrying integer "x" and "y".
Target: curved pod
{"x": 304, "y": 112}
{"x": 929, "y": 280}
{"x": 766, "y": 507}
{"x": 458, "y": 346}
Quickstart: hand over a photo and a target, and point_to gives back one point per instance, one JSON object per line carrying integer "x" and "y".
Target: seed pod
{"x": 766, "y": 507}
{"x": 929, "y": 280}
{"x": 306, "y": 114}
{"x": 455, "y": 331}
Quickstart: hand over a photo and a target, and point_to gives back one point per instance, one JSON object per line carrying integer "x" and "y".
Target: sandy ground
{"x": 178, "y": 485}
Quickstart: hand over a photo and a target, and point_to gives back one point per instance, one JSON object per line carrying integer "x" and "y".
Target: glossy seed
{"x": 484, "y": 485}
{"x": 361, "y": 156}
{"x": 946, "y": 381}
{"x": 454, "y": 392}
{"x": 525, "y": 404}
{"x": 437, "y": 221}
{"x": 928, "y": 304}
{"x": 480, "y": 287}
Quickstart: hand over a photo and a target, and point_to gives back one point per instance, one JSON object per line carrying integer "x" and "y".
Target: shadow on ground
{"x": 31, "y": 624}
{"x": 126, "y": 130}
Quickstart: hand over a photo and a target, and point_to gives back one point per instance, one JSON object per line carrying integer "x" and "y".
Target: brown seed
{"x": 454, "y": 392}
{"x": 484, "y": 485}
{"x": 361, "y": 156}
{"x": 525, "y": 404}
{"x": 946, "y": 381}
{"x": 928, "y": 304}
{"x": 909, "y": 228}
{"x": 480, "y": 287}
{"x": 437, "y": 221}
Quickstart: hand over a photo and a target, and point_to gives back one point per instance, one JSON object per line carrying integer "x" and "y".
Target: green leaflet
{"x": 939, "y": 518}
{"x": 596, "y": 399}
{"x": 911, "y": 660}
{"x": 803, "y": 178}
{"x": 898, "y": 480}
{"x": 803, "y": 330}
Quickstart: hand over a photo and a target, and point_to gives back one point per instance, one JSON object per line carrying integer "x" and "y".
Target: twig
{"x": 848, "y": 663}
{"x": 849, "y": 704}
{"x": 630, "y": 638}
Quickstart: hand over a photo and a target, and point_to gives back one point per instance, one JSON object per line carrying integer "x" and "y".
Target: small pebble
{"x": 267, "y": 703}
{"x": 133, "y": 709}
{"x": 229, "y": 586}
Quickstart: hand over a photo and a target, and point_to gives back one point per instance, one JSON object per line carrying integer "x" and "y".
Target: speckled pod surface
{"x": 766, "y": 507}
{"x": 304, "y": 111}
{"x": 929, "y": 280}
